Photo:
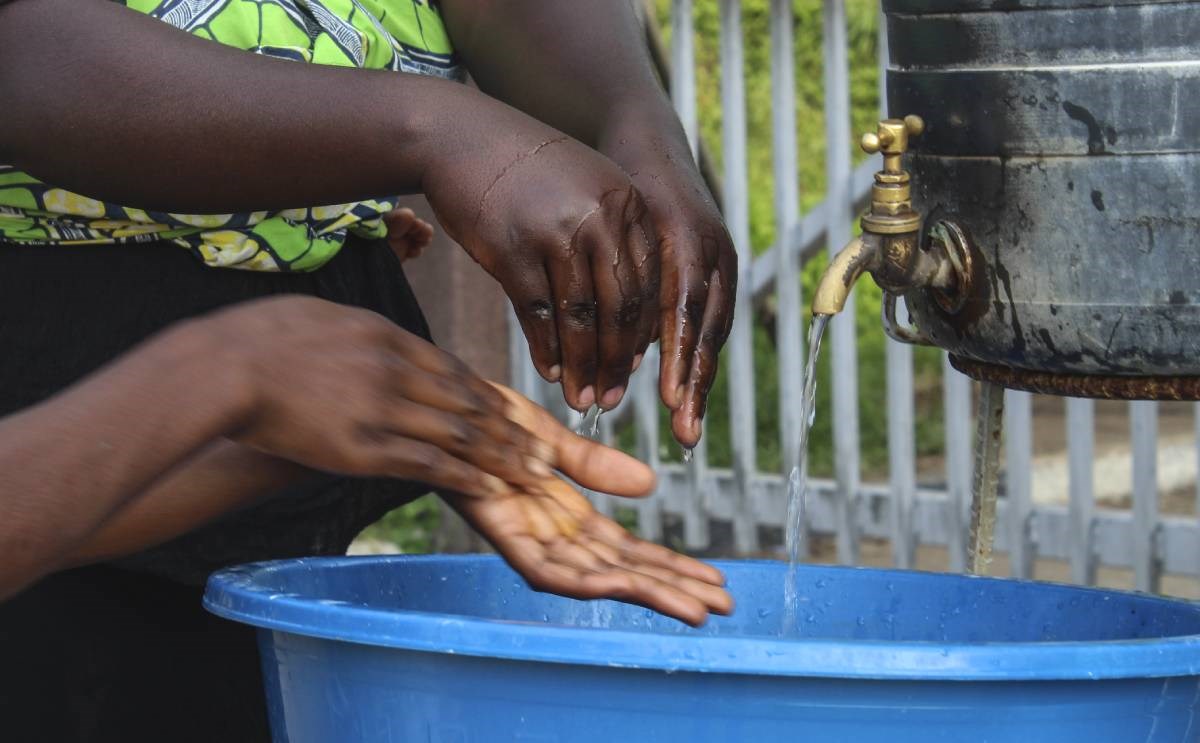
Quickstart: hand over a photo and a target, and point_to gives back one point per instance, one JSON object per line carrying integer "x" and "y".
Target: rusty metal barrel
{"x": 1063, "y": 138}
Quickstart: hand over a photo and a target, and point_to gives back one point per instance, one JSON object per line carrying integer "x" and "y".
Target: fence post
{"x": 844, "y": 341}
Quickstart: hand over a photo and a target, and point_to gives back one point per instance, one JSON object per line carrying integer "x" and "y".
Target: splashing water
{"x": 798, "y": 478}
{"x": 988, "y": 432}
{"x": 687, "y": 455}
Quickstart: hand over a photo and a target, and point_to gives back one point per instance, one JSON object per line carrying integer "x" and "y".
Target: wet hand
{"x": 345, "y": 390}
{"x": 563, "y": 230}
{"x": 698, "y": 264}
{"x": 559, "y": 544}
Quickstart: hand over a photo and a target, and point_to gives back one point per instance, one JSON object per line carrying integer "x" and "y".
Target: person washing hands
{"x": 147, "y": 160}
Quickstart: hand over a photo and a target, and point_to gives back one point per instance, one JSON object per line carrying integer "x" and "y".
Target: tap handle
{"x": 891, "y": 139}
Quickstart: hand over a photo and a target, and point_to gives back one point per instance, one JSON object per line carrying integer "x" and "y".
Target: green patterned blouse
{"x": 400, "y": 35}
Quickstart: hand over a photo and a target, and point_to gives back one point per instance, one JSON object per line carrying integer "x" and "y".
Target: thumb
{"x": 588, "y": 463}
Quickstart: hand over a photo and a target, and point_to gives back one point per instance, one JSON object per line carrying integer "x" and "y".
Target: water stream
{"x": 798, "y": 478}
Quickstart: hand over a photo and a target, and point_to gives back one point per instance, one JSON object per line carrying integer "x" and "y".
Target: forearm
{"x": 579, "y": 66}
{"x": 134, "y": 111}
{"x": 67, "y": 464}
{"x": 223, "y": 477}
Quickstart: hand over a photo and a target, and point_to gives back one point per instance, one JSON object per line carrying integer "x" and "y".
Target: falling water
{"x": 798, "y": 477}
{"x": 583, "y": 428}
{"x": 988, "y": 433}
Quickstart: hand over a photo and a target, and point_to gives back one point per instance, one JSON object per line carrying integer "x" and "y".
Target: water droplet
{"x": 763, "y": 613}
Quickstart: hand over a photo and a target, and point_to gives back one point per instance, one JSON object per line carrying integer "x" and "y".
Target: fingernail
{"x": 587, "y": 396}
{"x": 679, "y": 395}
{"x": 537, "y": 467}
{"x": 494, "y": 485}
{"x": 554, "y": 374}
{"x": 543, "y": 451}
{"x": 637, "y": 361}
{"x": 612, "y": 398}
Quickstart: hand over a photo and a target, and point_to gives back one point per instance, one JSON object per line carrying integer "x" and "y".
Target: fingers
{"x": 715, "y": 599}
{"x": 619, "y": 309}
{"x": 612, "y": 534}
{"x": 496, "y": 447}
{"x": 602, "y": 553}
{"x": 683, "y": 297}
{"x": 409, "y": 459}
{"x": 591, "y": 464}
{"x": 575, "y": 319}
{"x": 533, "y": 301}
{"x": 644, "y": 249}
{"x": 686, "y": 420}
{"x": 407, "y": 234}
{"x": 445, "y": 368}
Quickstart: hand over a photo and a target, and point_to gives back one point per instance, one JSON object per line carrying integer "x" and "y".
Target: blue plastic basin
{"x": 460, "y": 649}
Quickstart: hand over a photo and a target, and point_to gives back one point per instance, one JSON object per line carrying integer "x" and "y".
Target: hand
{"x": 557, "y": 541}
{"x": 562, "y": 229}
{"x": 560, "y": 545}
{"x": 699, "y": 263}
{"x": 407, "y": 234}
{"x": 344, "y": 390}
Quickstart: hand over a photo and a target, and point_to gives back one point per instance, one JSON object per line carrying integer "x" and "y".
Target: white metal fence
{"x": 896, "y": 510}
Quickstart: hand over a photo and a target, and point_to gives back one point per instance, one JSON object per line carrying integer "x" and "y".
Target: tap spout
{"x": 843, "y": 272}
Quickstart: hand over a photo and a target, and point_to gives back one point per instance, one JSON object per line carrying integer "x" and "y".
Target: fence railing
{"x": 899, "y": 511}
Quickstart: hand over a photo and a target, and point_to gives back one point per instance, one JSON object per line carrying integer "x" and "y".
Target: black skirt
{"x": 125, "y": 652}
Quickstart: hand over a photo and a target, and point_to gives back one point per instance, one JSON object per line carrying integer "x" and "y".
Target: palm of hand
{"x": 560, "y": 544}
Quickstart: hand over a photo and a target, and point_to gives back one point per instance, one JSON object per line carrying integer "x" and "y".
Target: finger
{"x": 644, "y": 248}
{"x": 615, "y": 261}
{"x": 686, "y": 420}
{"x": 611, "y": 533}
{"x": 399, "y": 221}
{"x": 714, "y": 597}
{"x": 575, "y": 316}
{"x": 533, "y": 302}
{"x": 386, "y": 455}
{"x": 587, "y": 462}
{"x": 498, "y": 448}
{"x": 600, "y": 579}
{"x": 683, "y": 297}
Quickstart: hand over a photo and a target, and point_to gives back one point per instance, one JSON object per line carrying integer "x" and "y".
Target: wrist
{"x": 206, "y": 350}
{"x": 637, "y": 132}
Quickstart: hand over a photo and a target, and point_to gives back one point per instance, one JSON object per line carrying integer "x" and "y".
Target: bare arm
{"x": 582, "y": 66}
{"x": 222, "y": 477}
{"x": 68, "y": 464}
{"x": 133, "y": 111}
{"x": 129, "y": 109}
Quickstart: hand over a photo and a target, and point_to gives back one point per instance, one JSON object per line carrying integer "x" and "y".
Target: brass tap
{"x": 889, "y": 246}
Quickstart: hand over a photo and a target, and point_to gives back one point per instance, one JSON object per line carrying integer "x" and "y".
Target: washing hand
{"x": 560, "y": 544}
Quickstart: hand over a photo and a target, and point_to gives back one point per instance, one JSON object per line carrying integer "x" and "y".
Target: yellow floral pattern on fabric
{"x": 398, "y": 35}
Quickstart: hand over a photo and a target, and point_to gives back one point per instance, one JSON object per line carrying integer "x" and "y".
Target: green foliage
{"x": 410, "y": 528}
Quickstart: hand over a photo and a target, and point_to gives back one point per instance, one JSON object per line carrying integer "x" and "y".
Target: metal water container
{"x": 1061, "y": 150}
